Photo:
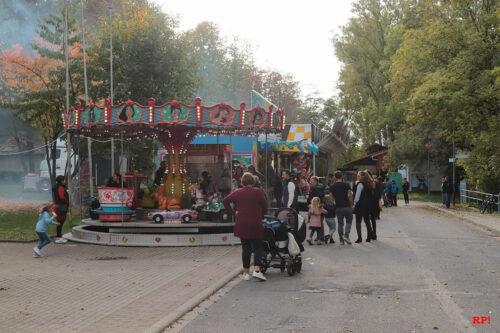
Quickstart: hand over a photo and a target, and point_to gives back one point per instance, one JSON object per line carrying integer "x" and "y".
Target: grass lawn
{"x": 20, "y": 224}
{"x": 433, "y": 197}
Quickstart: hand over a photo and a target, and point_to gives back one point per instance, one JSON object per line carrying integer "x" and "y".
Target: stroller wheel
{"x": 290, "y": 268}
{"x": 298, "y": 265}
{"x": 265, "y": 262}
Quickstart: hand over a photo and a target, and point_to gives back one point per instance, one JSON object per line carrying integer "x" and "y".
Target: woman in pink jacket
{"x": 249, "y": 208}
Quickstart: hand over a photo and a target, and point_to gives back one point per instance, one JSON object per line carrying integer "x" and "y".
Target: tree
{"x": 321, "y": 113}
{"x": 39, "y": 81}
{"x": 363, "y": 49}
{"x": 443, "y": 75}
{"x": 228, "y": 73}
{"x": 418, "y": 75}
{"x": 149, "y": 57}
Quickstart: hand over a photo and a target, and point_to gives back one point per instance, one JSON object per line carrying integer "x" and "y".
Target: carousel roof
{"x": 133, "y": 120}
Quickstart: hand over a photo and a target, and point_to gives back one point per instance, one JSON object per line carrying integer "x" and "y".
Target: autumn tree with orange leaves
{"x": 35, "y": 85}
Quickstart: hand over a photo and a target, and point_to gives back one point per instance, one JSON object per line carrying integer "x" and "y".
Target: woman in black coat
{"x": 376, "y": 194}
{"x": 363, "y": 204}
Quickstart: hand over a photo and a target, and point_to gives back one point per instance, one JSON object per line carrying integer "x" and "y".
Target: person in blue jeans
{"x": 330, "y": 219}
{"x": 44, "y": 219}
{"x": 394, "y": 193}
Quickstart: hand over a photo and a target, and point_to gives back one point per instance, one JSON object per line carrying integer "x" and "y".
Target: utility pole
{"x": 89, "y": 141}
{"x": 68, "y": 143}
{"x": 428, "y": 172}
{"x": 111, "y": 82}
{"x": 453, "y": 182}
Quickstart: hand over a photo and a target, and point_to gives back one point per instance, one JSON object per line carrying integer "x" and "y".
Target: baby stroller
{"x": 278, "y": 231}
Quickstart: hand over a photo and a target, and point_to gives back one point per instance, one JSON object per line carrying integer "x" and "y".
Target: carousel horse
{"x": 166, "y": 202}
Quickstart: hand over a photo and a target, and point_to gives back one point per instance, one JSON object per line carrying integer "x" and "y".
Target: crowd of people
{"x": 362, "y": 203}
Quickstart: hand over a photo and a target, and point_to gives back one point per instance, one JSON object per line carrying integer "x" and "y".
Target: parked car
{"x": 184, "y": 215}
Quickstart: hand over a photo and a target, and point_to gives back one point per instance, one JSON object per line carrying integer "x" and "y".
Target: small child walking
{"x": 44, "y": 219}
{"x": 315, "y": 211}
{"x": 330, "y": 220}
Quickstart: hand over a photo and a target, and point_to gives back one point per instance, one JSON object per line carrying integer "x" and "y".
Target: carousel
{"x": 166, "y": 216}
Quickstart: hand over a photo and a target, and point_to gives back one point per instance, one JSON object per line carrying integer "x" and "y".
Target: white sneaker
{"x": 246, "y": 277}
{"x": 64, "y": 240}
{"x": 37, "y": 251}
{"x": 259, "y": 275}
{"x": 36, "y": 255}
{"x": 59, "y": 240}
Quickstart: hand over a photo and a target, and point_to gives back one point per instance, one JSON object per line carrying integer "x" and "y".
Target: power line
{"x": 49, "y": 144}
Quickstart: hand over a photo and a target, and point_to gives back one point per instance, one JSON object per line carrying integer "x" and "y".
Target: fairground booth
{"x": 304, "y": 149}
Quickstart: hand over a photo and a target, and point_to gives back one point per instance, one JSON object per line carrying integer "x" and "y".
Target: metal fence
{"x": 467, "y": 196}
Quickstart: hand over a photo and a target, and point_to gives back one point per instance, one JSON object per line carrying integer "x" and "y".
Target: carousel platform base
{"x": 146, "y": 233}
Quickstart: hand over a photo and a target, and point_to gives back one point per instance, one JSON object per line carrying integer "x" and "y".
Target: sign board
{"x": 462, "y": 156}
{"x": 451, "y": 160}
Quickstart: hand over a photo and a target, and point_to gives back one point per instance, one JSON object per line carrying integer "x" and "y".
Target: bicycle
{"x": 487, "y": 204}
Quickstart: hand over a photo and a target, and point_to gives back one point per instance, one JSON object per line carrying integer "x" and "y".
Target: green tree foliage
{"x": 430, "y": 77}
{"x": 228, "y": 73}
{"x": 281, "y": 89}
{"x": 364, "y": 50}
{"x": 322, "y": 113}
{"x": 224, "y": 68}
{"x": 149, "y": 57}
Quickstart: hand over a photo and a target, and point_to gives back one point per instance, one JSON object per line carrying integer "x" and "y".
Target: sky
{"x": 288, "y": 36}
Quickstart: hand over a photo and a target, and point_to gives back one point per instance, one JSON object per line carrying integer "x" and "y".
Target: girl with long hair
{"x": 315, "y": 224}
{"x": 44, "y": 219}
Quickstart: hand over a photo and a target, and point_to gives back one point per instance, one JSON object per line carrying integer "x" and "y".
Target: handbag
{"x": 61, "y": 209}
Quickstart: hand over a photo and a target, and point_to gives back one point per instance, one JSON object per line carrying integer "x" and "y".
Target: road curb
{"x": 173, "y": 316}
{"x": 24, "y": 240}
{"x": 466, "y": 219}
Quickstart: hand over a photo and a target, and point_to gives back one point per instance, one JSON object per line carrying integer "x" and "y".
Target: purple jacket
{"x": 251, "y": 206}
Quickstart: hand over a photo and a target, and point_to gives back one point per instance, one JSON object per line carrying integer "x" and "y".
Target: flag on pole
{"x": 258, "y": 99}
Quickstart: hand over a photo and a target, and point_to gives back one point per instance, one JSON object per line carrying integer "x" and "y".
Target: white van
{"x": 41, "y": 182}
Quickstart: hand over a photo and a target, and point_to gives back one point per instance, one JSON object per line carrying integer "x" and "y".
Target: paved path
{"x": 91, "y": 288}
{"x": 428, "y": 272}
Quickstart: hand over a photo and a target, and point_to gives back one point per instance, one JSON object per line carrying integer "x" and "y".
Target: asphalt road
{"x": 426, "y": 273}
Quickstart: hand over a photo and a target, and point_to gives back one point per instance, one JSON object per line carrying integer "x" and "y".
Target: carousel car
{"x": 184, "y": 215}
{"x": 213, "y": 212}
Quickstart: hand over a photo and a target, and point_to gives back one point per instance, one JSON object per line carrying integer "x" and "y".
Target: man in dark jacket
{"x": 317, "y": 190}
{"x": 378, "y": 194}
{"x": 447, "y": 191}
{"x": 406, "y": 188}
